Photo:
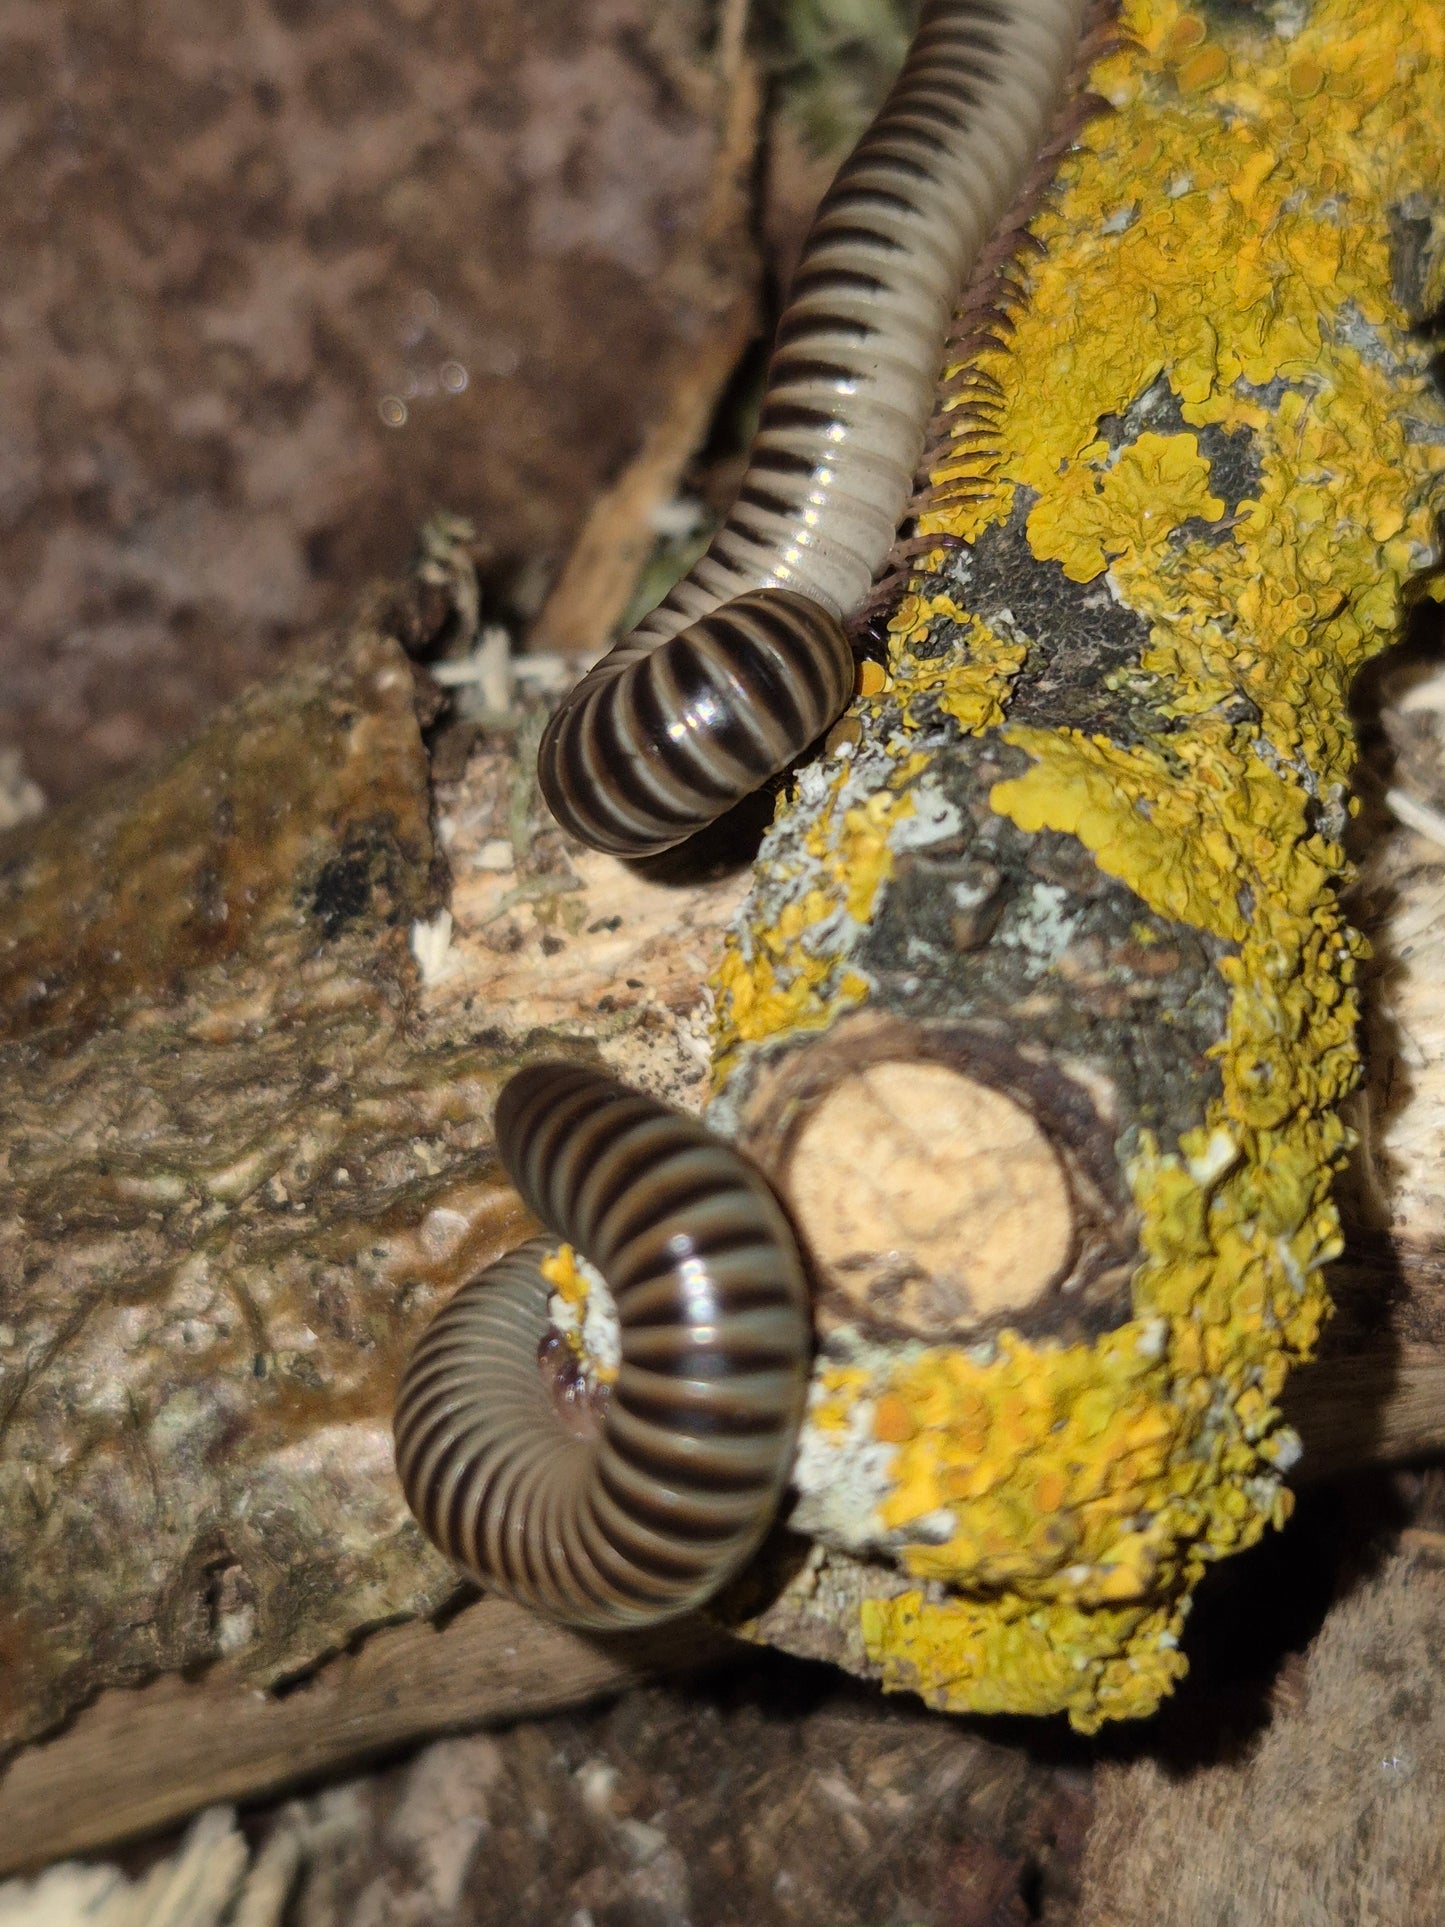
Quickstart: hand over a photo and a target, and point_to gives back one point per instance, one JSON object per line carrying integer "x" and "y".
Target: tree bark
{"x": 246, "y": 1158}
{"x": 1069, "y": 879}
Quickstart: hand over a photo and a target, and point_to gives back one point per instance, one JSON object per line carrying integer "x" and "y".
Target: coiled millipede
{"x": 746, "y": 662}
{"x": 646, "y": 1511}
{"x": 741, "y": 667}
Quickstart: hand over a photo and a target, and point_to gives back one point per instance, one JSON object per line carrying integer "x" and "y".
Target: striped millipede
{"x": 746, "y": 662}
{"x": 743, "y": 665}
{"x": 682, "y": 1474}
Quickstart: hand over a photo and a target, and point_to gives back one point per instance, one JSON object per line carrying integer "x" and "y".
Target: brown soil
{"x": 775, "y": 1795}
{"x": 284, "y": 276}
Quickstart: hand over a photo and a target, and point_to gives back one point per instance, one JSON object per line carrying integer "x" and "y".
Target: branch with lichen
{"x": 1040, "y": 1008}
{"x": 1079, "y": 859}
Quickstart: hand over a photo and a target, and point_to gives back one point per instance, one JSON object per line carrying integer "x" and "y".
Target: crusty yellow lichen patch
{"x": 786, "y": 974}
{"x": 564, "y": 1272}
{"x": 1105, "y": 510}
{"x": 973, "y": 690}
{"x": 1004, "y": 1656}
{"x": 1165, "y": 821}
{"x": 850, "y": 843}
{"x": 1246, "y": 215}
{"x": 835, "y": 1391}
{"x": 1226, "y": 228}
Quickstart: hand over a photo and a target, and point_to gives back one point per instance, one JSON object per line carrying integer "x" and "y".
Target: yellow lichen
{"x": 1225, "y": 228}
{"x": 783, "y": 977}
{"x": 834, "y": 1395}
{"x": 1105, "y": 511}
{"x": 564, "y": 1272}
{"x": 972, "y": 691}
{"x": 561, "y": 1270}
{"x": 1000, "y": 1656}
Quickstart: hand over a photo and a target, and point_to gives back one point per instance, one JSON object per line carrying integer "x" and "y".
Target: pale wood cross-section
{"x": 913, "y": 1182}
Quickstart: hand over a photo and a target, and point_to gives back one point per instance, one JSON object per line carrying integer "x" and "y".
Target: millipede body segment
{"x": 745, "y": 662}
{"x": 683, "y": 1470}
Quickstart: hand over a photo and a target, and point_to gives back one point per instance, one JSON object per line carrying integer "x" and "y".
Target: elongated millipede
{"x": 682, "y": 1473}
{"x": 703, "y": 702}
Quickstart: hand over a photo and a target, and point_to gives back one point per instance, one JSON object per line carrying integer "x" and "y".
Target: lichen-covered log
{"x": 1065, "y": 886}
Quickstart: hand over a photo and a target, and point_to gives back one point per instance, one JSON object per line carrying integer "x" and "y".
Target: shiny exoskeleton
{"x": 746, "y": 662}
{"x": 683, "y": 1468}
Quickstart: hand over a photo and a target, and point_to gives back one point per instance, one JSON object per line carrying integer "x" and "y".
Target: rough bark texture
{"x": 238, "y": 1176}
{"x": 222, "y": 1181}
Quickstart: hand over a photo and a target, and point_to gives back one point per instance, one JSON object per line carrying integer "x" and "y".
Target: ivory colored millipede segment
{"x": 745, "y": 663}
{"x": 653, "y": 1513}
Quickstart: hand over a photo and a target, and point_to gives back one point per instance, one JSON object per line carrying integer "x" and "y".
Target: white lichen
{"x": 593, "y": 1322}
{"x": 431, "y": 946}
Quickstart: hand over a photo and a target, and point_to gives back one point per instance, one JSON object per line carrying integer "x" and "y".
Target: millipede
{"x": 643, "y": 1508}
{"x": 638, "y": 1511}
{"x": 746, "y": 662}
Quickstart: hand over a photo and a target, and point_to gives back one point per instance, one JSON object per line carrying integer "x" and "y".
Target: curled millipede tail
{"x": 685, "y": 716}
{"x": 653, "y": 1513}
